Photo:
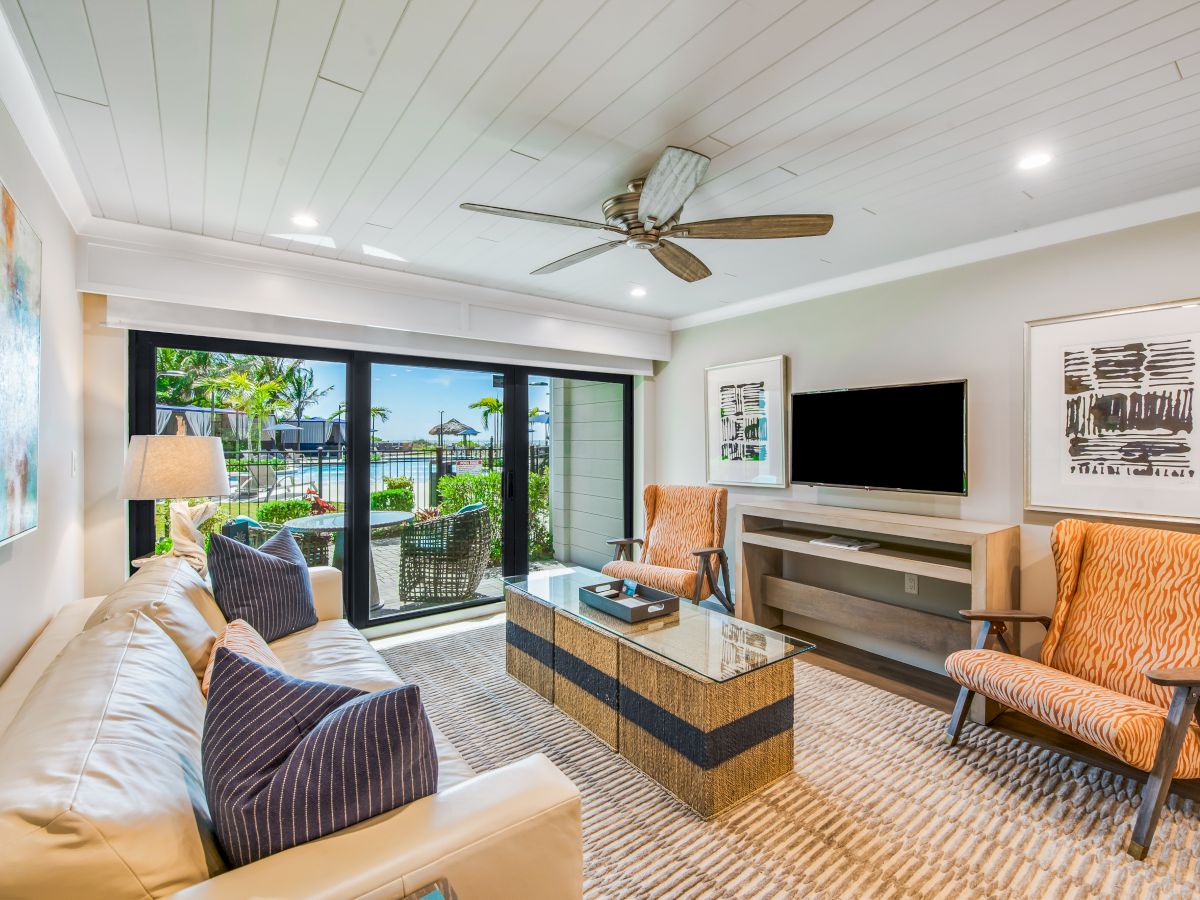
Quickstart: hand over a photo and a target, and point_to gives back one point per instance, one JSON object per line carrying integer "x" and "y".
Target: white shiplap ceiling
{"x": 903, "y": 118}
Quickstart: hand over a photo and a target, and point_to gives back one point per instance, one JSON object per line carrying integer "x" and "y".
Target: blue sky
{"x": 414, "y": 394}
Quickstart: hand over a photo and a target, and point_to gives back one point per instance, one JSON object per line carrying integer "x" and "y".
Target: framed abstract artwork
{"x": 1110, "y": 413}
{"x": 20, "y": 370}
{"x": 744, "y": 422}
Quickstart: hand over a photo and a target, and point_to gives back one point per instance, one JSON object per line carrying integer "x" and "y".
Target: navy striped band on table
{"x": 532, "y": 645}
{"x": 706, "y": 749}
{"x": 581, "y": 674}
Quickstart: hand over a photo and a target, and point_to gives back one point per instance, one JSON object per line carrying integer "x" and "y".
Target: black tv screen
{"x": 909, "y": 437}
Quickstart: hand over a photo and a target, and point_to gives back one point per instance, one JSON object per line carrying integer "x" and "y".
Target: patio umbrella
{"x": 466, "y": 433}
{"x": 452, "y": 426}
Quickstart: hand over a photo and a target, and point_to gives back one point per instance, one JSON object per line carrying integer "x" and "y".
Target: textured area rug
{"x": 877, "y": 805}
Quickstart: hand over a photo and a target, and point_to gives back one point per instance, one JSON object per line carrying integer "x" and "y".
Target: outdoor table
{"x": 336, "y": 523}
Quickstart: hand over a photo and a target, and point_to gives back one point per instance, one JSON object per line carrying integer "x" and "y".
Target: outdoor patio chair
{"x": 682, "y": 552}
{"x": 268, "y": 482}
{"x": 442, "y": 560}
{"x": 1120, "y": 664}
{"x": 317, "y": 546}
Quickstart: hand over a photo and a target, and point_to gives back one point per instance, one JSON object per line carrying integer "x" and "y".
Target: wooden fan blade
{"x": 756, "y": 227}
{"x": 675, "y": 175}
{"x": 537, "y": 217}
{"x": 576, "y": 258}
{"x": 680, "y": 262}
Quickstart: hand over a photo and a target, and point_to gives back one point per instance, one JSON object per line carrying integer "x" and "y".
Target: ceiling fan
{"x": 648, "y": 214}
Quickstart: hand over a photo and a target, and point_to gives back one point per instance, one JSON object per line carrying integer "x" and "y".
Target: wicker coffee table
{"x": 699, "y": 701}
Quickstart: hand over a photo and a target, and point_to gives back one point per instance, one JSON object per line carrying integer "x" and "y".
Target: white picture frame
{"x": 1109, "y": 425}
{"x": 741, "y": 401}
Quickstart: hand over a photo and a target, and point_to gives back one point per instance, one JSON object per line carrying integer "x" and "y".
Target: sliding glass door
{"x": 425, "y": 481}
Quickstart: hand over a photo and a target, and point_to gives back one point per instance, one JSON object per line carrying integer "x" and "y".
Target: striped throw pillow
{"x": 242, "y": 639}
{"x": 267, "y": 586}
{"x": 286, "y": 761}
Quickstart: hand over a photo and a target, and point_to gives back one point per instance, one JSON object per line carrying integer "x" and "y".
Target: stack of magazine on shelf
{"x": 841, "y": 542}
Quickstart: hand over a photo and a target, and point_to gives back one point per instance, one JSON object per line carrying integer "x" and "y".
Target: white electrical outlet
{"x": 910, "y": 583}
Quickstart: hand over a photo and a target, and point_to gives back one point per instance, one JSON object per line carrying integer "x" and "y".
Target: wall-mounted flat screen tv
{"x": 910, "y": 437}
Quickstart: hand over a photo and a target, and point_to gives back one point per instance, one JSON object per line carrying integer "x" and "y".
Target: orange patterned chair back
{"x": 1128, "y": 600}
{"x": 679, "y": 519}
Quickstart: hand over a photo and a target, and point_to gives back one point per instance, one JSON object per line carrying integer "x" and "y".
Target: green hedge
{"x": 398, "y": 499}
{"x": 397, "y": 482}
{"x": 279, "y": 511}
{"x": 457, "y": 491}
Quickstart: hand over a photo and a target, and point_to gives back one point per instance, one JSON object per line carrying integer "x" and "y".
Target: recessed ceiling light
{"x": 1034, "y": 160}
{"x": 305, "y": 220}
{"x": 637, "y": 291}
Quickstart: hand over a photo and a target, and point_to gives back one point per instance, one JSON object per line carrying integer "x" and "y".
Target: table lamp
{"x": 171, "y": 466}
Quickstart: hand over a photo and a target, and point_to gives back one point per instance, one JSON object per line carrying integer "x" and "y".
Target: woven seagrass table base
{"x": 876, "y": 805}
{"x": 710, "y": 743}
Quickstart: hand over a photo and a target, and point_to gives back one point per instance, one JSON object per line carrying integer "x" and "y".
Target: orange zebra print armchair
{"x": 682, "y": 552}
{"x": 1120, "y": 665}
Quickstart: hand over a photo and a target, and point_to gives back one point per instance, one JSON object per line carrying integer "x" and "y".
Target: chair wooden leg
{"x": 1158, "y": 784}
{"x": 959, "y": 716}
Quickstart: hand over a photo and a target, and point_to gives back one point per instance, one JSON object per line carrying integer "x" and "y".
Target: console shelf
{"x": 859, "y": 596}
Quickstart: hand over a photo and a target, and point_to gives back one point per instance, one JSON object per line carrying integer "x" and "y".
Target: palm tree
{"x": 258, "y": 400}
{"x": 488, "y": 407}
{"x": 299, "y": 393}
{"x": 382, "y": 413}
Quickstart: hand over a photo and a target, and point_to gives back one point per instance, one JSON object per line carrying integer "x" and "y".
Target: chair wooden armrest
{"x": 1181, "y": 677}
{"x": 624, "y": 547}
{"x": 1003, "y": 615}
{"x": 708, "y": 551}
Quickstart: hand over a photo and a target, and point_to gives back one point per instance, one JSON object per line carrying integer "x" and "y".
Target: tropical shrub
{"x": 457, "y": 491}
{"x": 397, "y": 482}
{"x": 279, "y": 511}
{"x": 398, "y": 499}
{"x": 243, "y": 465}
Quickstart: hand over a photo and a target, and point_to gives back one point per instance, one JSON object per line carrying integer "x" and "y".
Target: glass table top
{"x": 708, "y": 643}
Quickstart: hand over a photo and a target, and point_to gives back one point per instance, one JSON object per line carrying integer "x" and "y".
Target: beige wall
{"x": 105, "y": 434}
{"x": 39, "y": 572}
{"x": 961, "y": 323}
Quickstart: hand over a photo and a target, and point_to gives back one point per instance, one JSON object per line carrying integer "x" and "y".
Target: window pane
{"x": 282, "y": 425}
{"x": 436, "y": 475}
{"x": 585, "y": 449}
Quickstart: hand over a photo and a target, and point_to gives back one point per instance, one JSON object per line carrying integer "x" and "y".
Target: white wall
{"x": 43, "y": 570}
{"x": 959, "y": 323}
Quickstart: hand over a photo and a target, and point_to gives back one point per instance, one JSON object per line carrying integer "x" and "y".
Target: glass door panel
{"x": 436, "y": 488}
{"x": 580, "y": 426}
{"x": 282, "y": 425}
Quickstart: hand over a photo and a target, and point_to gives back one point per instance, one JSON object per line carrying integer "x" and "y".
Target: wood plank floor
{"x": 938, "y": 691}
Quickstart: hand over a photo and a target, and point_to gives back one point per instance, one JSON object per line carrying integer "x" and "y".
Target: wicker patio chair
{"x": 317, "y": 546}
{"x": 443, "y": 560}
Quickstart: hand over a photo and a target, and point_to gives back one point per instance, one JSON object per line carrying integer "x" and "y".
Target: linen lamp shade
{"x": 168, "y": 466}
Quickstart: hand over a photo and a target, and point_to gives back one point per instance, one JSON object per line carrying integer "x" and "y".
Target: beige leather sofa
{"x": 101, "y": 787}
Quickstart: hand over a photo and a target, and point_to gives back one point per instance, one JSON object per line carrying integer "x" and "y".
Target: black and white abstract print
{"x": 1129, "y": 409}
{"x": 743, "y": 421}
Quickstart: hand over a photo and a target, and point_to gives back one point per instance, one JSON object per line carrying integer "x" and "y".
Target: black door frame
{"x": 143, "y": 346}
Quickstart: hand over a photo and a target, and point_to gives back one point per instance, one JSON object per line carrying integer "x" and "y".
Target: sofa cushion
{"x": 336, "y": 652}
{"x": 287, "y": 761}
{"x": 239, "y": 637}
{"x": 101, "y": 790}
{"x": 1128, "y": 728}
{"x": 268, "y": 586}
{"x": 171, "y": 593}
